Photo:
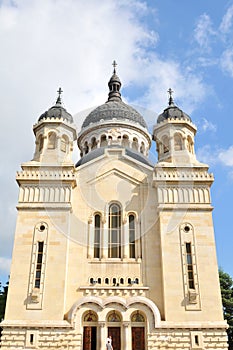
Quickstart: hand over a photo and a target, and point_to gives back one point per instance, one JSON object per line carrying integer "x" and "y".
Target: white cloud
{"x": 157, "y": 75}
{"x": 226, "y": 23}
{"x": 207, "y": 155}
{"x": 204, "y": 31}
{"x": 52, "y": 43}
{"x": 226, "y": 156}
{"x": 5, "y": 264}
{"x": 207, "y": 125}
{"x": 227, "y": 61}
{"x": 215, "y": 156}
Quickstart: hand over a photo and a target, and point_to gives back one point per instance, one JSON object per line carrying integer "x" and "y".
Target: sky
{"x": 158, "y": 44}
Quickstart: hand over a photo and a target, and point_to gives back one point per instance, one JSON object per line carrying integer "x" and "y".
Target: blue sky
{"x": 185, "y": 45}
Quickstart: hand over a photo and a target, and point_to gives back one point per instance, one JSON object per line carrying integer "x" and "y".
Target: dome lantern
{"x": 114, "y": 85}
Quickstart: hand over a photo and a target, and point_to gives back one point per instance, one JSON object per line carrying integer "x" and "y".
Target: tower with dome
{"x": 111, "y": 245}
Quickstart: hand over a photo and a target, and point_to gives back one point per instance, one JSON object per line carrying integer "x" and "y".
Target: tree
{"x": 226, "y": 284}
{"x": 3, "y": 296}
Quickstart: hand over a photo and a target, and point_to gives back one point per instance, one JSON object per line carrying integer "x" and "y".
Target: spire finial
{"x": 114, "y": 66}
{"x": 59, "y": 91}
{"x": 170, "y": 92}
{"x": 114, "y": 85}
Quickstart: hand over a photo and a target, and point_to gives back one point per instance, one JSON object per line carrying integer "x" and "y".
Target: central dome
{"x": 114, "y": 109}
{"x": 113, "y": 124}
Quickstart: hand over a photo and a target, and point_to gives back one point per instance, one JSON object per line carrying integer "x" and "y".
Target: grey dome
{"x": 114, "y": 109}
{"x": 173, "y": 112}
{"x": 57, "y": 111}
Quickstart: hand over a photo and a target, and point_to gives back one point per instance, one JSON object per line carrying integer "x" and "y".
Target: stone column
{"x": 125, "y": 237}
{"x": 127, "y": 342}
{"x": 90, "y": 238}
{"x": 104, "y": 238}
{"x": 103, "y": 336}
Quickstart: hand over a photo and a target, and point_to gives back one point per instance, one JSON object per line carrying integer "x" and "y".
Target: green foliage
{"x": 3, "y": 296}
{"x": 226, "y": 284}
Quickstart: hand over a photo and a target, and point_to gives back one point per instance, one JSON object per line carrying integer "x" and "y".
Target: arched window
{"x": 85, "y": 148}
{"x": 41, "y": 142}
{"x": 64, "y": 143}
{"x": 125, "y": 141}
{"x": 142, "y": 148}
{"x": 114, "y": 235}
{"x": 165, "y": 144}
{"x": 132, "y": 236}
{"x": 52, "y": 140}
{"x": 93, "y": 143}
{"x": 190, "y": 144}
{"x": 177, "y": 142}
{"x": 103, "y": 141}
{"x": 135, "y": 144}
{"x": 97, "y": 237}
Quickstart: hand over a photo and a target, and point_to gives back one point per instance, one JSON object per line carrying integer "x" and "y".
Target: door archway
{"x": 138, "y": 331}
{"x": 114, "y": 323}
{"x": 90, "y": 320}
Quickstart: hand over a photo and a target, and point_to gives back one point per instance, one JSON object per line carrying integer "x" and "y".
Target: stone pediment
{"x": 134, "y": 178}
{"x": 111, "y": 179}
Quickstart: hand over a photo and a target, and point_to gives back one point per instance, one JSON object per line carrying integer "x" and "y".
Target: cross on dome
{"x": 59, "y": 91}
{"x": 114, "y": 66}
{"x": 170, "y": 92}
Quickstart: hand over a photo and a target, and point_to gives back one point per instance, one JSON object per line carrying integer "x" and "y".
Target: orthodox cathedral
{"x": 114, "y": 247}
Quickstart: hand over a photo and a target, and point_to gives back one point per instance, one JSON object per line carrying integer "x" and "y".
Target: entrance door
{"x": 138, "y": 338}
{"x": 89, "y": 338}
{"x": 115, "y": 332}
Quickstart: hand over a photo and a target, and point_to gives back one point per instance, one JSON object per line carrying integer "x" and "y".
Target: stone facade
{"x": 114, "y": 245}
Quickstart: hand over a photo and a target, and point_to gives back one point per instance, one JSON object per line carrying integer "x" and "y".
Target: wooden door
{"x": 89, "y": 338}
{"x": 138, "y": 338}
{"x": 115, "y": 332}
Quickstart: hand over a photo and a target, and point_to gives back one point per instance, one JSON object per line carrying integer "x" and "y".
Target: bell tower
{"x": 44, "y": 207}
{"x": 184, "y": 211}
{"x": 174, "y": 135}
{"x": 54, "y": 134}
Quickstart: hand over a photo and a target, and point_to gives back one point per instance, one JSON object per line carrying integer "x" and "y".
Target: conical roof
{"x": 57, "y": 111}
{"x": 172, "y": 111}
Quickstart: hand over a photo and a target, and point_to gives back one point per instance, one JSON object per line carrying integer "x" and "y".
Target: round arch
{"x": 142, "y": 303}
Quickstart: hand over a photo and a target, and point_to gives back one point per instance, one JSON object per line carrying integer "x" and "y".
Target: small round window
{"x": 42, "y": 227}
